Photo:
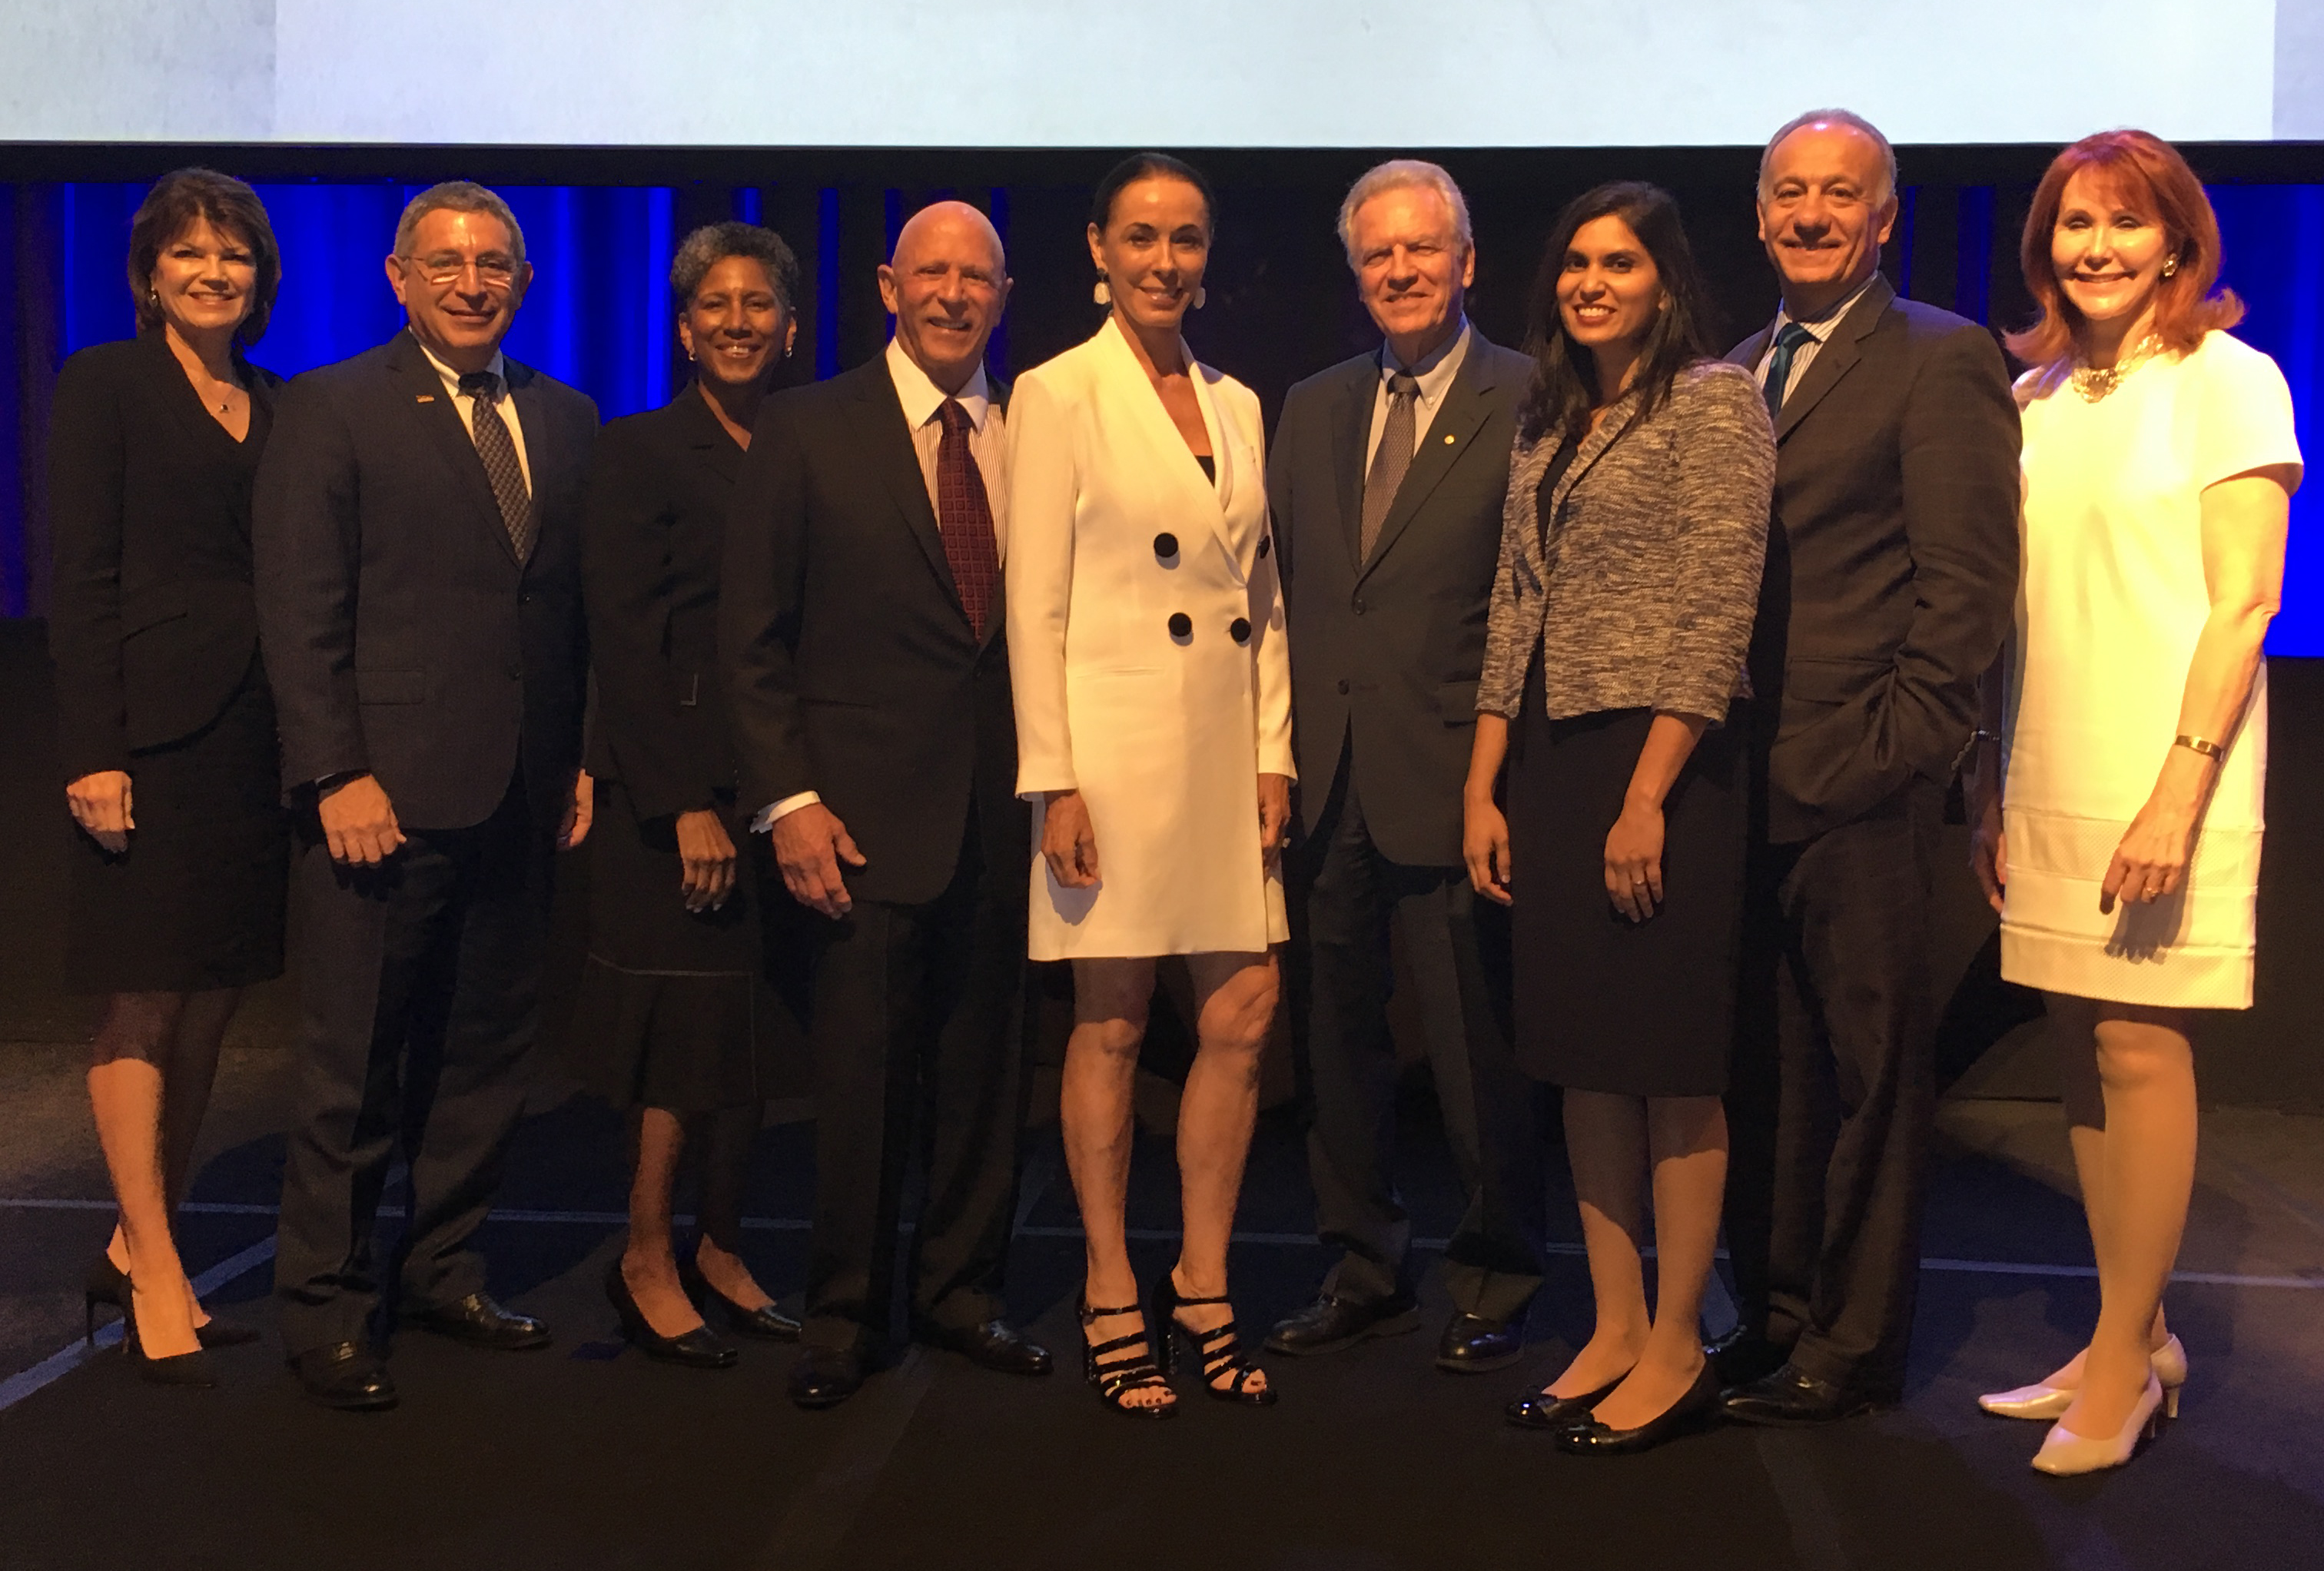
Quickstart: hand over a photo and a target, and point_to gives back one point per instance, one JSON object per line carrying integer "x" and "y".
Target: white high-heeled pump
{"x": 2064, "y": 1454}
{"x": 2169, "y": 1362}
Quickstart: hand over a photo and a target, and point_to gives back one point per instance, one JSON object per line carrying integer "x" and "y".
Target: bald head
{"x": 945, "y": 286}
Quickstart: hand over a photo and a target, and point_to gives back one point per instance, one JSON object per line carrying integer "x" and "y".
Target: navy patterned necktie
{"x": 964, "y": 518}
{"x": 497, "y": 449}
{"x": 1779, "y": 365}
{"x": 1390, "y": 459}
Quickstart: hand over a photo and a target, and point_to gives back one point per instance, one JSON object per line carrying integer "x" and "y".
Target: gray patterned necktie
{"x": 1390, "y": 459}
{"x": 497, "y": 449}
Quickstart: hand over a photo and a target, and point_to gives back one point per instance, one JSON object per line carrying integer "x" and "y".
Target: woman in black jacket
{"x": 165, "y": 724}
{"x": 668, "y": 1015}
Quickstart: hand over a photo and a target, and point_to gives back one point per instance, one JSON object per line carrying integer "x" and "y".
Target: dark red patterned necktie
{"x": 964, "y": 516}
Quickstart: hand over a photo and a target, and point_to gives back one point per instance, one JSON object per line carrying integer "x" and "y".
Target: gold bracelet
{"x": 2199, "y": 745}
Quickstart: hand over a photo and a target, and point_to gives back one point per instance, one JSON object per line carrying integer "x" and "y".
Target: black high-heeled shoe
{"x": 766, "y": 1323}
{"x": 187, "y": 1369}
{"x": 696, "y": 1349}
{"x": 1691, "y": 1412}
{"x": 107, "y": 1283}
{"x": 1114, "y": 1378}
{"x": 1539, "y": 1409}
{"x": 1219, "y": 1349}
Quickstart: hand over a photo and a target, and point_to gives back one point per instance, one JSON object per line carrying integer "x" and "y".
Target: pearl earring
{"x": 1103, "y": 293}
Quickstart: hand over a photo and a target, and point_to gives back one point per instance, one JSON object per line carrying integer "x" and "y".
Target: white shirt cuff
{"x": 765, "y": 821}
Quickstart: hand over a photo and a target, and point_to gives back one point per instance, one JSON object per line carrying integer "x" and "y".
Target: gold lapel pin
{"x": 428, "y": 398}
{"x": 1448, "y": 438}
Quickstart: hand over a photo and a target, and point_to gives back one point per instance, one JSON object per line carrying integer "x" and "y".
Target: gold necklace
{"x": 2093, "y": 383}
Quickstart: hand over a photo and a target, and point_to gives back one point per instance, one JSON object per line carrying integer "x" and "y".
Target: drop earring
{"x": 1103, "y": 293}
{"x": 1202, "y": 297}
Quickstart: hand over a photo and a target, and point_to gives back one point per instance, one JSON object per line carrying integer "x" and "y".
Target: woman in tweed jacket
{"x": 1631, "y": 548}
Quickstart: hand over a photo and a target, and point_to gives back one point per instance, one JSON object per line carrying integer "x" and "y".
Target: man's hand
{"x": 705, "y": 853}
{"x": 99, "y": 803}
{"x": 358, "y": 822}
{"x": 810, "y": 842}
{"x": 580, "y": 811}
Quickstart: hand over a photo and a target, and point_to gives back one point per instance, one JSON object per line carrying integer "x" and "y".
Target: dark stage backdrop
{"x": 600, "y": 223}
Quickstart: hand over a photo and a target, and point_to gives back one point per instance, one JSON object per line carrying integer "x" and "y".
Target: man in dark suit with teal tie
{"x": 1385, "y": 485}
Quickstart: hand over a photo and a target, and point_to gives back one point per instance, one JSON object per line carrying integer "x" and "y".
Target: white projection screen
{"x": 1192, "y": 73}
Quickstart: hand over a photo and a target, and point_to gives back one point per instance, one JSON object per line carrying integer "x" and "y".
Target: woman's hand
{"x": 1274, "y": 817}
{"x": 1988, "y": 853}
{"x": 1634, "y": 861}
{"x": 100, "y": 804}
{"x": 705, "y": 853}
{"x": 580, "y": 811}
{"x": 1068, "y": 842}
{"x": 2151, "y": 863}
{"x": 1485, "y": 847}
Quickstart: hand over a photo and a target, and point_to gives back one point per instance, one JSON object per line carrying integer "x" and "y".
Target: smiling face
{"x": 204, "y": 280}
{"x": 1156, "y": 243}
{"x": 460, "y": 281}
{"x": 1608, "y": 291}
{"x": 734, "y": 326}
{"x": 1825, "y": 210}
{"x": 1411, "y": 268}
{"x": 2109, "y": 249}
{"x": 946, "y": 287}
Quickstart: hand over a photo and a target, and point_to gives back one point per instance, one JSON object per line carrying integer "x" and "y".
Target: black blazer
{"x": 151, "y": 624}
{"x": 851, "y": 668}
{"x": 1384, "y": 652}
{"x": 1892, "y": 564}
{"x": 652, "y": 544}
{"x": 401, "y": 635}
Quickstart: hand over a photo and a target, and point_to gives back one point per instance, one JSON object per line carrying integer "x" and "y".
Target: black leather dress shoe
{"x": 1790, "y": 1398}
{"x": 996, "y": 1345}
{"x": 1691, "y": 1412}
{"x": 344, "y": 1375}
{"x": 1540, "y": 1410}
{"x": 825, "y": 1377}
{"x": 1331, "y": 1324}
{"x": 479, "y": 1322}
{"x": 1473, "y": 1345}
{"x": 1743, "y": 1356}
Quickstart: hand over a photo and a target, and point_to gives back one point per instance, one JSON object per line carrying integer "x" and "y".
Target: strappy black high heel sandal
{"x": 1115, "y": 1378}
{"x": 1219, "y": 1349}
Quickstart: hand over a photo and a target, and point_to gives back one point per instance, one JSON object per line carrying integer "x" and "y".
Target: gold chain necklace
{"x": 2093, "y": 383}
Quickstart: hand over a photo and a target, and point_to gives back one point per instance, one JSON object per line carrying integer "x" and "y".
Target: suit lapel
{"x": 1351, "y": 429}
{"x": 431, "y": 406}
{"x": 1838, "y": 356}
{"x": 721, "y": 453}
{"x": 543, "y": 454}
{"x": 1615, "y": 421}
{"x": 897, "y": 462}
{"x": 1465, "y": 409}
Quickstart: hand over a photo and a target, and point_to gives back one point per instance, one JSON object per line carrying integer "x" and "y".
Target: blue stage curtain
{"x": 600, "y": 315}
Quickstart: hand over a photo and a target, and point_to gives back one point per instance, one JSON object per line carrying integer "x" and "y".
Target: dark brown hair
{"x": 176, "y": 199}
{"x": 2147, "y": 174}
{"x": 1141, "y": 166}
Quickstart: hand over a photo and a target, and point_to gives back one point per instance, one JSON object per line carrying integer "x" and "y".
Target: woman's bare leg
{"x": 126, "y": 1097}
{"x": 1234, "y": 1004}
{"x": 1606, "y": 1143}
{"x": 1110, "y": 999}
{"x": 1686, "y": 1138}
{"x": 723, "y": 1138}
{"x": 648, "y": 1265}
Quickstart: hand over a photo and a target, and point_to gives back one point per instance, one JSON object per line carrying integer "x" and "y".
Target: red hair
{"x": 2147, "y": 175}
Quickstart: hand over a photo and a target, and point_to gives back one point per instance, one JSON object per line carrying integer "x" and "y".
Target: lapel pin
{"x": 1448, "y": 438}
{"x": 424, "y": 398}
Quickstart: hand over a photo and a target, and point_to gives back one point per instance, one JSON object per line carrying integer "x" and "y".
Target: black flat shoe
{"x": 1218, "y": 1350}
{"x": 345, "y": 1376}
{"x": 1691, "y": 1412}
{"x": 1793, "y": 1399}
{"x": 1540, "y": 1410}
{"x": 1473, "y": 1345}
{"x": 1331, "y": 1324}
{"x": 825, "y": 1377}
{"x": 996, "y": 1345}
{"x": 696, "y": 1349}
{"x": 1113, "y": 1378}
{"x": 768, "y": 1324}
{"x": 479, "y": 1322}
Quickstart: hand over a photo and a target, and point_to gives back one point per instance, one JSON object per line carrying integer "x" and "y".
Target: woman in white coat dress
{"x": 1154, "y": 733}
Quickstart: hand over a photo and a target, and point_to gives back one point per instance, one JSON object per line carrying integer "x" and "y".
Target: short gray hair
{"x": 712, "y": 243}
{"x": 1402, "y": 174}
{"x": 1848, "y": 117}
{"x": 456, "y": 196}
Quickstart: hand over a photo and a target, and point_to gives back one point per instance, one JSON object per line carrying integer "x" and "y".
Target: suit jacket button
{"x": 1166, "y": 546}
{"x": 1182, "y": 626}
{"x": 1360, "y": 605}
{"x": 1343, "y": 684}
{"x": 1239, "y": 630}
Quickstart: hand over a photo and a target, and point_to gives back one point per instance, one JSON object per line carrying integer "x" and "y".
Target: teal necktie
{"x": 1779, "y": 365}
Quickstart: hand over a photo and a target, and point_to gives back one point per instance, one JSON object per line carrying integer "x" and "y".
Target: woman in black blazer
{"x": 165, "y": 725}
{"x": 666, "y": 1019}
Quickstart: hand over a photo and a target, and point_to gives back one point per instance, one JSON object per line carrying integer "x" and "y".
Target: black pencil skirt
{"x": 1602, "y": 1004}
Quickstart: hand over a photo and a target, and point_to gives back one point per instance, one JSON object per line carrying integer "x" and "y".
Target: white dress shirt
{"x": 921, "y": 399}
{"x": 1434, "y": 374}
{"x": 1819, "y": 330}
{"x": 466, "y": 405}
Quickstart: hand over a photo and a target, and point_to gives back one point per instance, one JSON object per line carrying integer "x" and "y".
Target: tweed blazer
{"x": 1645, "y": 596}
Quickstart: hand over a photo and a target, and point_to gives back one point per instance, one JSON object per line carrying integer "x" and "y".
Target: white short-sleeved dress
{"x": 2111, "y": 603}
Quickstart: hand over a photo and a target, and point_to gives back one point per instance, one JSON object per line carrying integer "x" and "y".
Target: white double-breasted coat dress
{"x": 1145, "y": 648}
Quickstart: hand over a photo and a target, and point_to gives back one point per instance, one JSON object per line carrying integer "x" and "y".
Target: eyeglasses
{"x": 494, "y": 270}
